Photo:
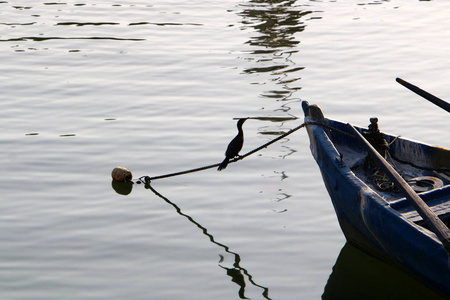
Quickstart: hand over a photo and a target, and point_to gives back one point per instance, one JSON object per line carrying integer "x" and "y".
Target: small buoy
{"x": 121, "y": 174}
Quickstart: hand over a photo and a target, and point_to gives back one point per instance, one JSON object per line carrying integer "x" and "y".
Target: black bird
{"x": 234, "y": 146}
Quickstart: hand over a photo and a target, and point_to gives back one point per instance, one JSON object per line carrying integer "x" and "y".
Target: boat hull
{"x": 367, "y": 220}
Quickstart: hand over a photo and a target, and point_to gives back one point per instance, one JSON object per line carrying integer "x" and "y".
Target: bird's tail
{"x": 223, "y": 165}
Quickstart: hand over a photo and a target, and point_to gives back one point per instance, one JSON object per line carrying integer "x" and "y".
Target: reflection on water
{"x": 44, "y": 21}
{"x": 276, "y": 23}
{"x": 41, "y": 39}
{"x": 238, "y": 274}
{"x": 357, "y": 275}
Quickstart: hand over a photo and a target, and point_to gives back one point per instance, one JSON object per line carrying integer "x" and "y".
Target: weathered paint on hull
{"x": 368, "y": 221}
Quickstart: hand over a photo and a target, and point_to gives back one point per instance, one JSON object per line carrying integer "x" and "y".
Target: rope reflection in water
{"x": 237, "y": 273}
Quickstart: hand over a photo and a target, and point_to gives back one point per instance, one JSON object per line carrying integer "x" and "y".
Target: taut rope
{"x": 149, "y": 178}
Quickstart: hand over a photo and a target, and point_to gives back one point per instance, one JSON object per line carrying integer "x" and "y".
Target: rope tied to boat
{"x": 378, "y": 140}
{"x": 147, "y": 178}
{"x": 126, "y": 176}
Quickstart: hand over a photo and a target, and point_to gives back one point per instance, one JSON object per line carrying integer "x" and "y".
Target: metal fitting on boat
{"x": 425, "y": 183}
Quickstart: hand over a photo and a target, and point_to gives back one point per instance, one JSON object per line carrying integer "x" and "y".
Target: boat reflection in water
{"x": 357, "y": 275}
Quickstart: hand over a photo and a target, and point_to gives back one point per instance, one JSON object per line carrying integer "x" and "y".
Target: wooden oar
{"x": 433, "y": 221}
{"x": 439, "y": 102}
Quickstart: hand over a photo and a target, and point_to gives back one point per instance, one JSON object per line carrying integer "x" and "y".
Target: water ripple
{"x": 40, "y": 39}
{"x": 18, "y": 24}
{"x": 165, "y": 24}
{"x": 85, "y": 23}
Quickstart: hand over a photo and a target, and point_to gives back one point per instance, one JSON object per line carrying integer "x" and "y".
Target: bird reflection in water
{"x": 238, "y": 274}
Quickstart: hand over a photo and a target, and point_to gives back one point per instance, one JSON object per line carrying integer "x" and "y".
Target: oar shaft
{"x": 433, "y": 99}
{"x": 433, "y": 221}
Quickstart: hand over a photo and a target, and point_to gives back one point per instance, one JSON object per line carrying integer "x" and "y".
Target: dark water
{"x": 357, "y": 275}
{"x": 154, "y": 87}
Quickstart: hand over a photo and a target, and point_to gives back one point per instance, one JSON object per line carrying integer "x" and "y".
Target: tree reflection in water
{"x": 276, "y": 23}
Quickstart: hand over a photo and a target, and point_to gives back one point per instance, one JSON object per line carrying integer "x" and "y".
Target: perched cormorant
{"x": 234, "y": 146}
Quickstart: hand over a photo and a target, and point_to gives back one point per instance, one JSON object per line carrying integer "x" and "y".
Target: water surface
{"x": 154, "y": 87}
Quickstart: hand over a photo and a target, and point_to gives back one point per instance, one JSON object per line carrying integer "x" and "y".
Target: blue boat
{"x": 372, "y": 213}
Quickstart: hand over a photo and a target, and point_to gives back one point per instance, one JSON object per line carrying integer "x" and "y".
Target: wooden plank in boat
{"x": 439, "y": 209}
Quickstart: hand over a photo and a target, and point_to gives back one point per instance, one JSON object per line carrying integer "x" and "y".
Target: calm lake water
{"x": 154, "y": 86}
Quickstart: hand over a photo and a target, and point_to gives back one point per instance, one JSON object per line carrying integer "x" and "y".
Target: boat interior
{"x": 432, "y": 184}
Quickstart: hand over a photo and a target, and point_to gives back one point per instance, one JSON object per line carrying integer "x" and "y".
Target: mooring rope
{"x": 148, "y": 178}
{"x": 240, "y": 157}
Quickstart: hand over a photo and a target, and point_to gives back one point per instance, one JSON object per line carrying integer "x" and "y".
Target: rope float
{"x": 121, "y": 174}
